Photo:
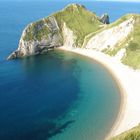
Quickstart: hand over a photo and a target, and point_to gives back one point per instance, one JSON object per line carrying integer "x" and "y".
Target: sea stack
{"x": 105, "y": 18}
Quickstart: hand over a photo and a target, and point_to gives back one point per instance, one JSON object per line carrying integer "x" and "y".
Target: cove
{"x": 57, "y": 96}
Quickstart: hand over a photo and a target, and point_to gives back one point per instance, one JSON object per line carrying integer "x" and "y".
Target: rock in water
{"x": 105, "y": 18}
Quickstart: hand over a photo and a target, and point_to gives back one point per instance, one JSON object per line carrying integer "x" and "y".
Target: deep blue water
{"x": 53, "y": 94}
{"x": 37, "y": 90}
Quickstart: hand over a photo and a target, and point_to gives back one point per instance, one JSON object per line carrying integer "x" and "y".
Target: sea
{"x": 59, "y": 95}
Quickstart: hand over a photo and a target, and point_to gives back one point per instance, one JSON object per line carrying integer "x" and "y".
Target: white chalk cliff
{"x": 60, "y": 30}
{"x": 109, "y": 38}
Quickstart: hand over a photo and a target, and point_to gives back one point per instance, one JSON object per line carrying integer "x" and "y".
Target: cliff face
{"x": 109, "y": 38}
{"x": 75, "y": 26}
{"x": 67, "y": 27}
{"x": 38, "y": 38}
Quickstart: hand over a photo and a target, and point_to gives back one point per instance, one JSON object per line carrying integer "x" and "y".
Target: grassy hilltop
{"x": 81, "y": 21}
{"x": 84, "y": 25}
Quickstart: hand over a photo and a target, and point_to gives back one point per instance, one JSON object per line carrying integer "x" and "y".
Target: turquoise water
{"x": 59, "y": 95}
{"x": 97, "y": 106}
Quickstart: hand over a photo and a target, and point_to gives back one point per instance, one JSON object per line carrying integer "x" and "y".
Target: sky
{"x": 122, "y": 0}
{"x": 77, "y": 0}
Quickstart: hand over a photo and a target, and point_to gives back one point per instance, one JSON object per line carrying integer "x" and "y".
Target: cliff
{"x": 66, "y": 27}
{"x": 38, "y": 37}
{"x": 75, "y": 26}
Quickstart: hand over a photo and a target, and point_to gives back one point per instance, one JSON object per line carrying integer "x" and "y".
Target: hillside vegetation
{"x": 133, "y": 134}
{"x": 132, "y": 57}
{"x": 131, "y": 43}
{"x": 77, "y": 18}
{"x": 84, "y": 25}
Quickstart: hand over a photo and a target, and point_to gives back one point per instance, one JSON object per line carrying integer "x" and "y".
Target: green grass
{"x": 81, "y": 21}
{"x": 133, "y": 134}
{"x": 36, "y": 31}
{"x": 131, "y": 43}
{"x": 132, "y": 57}
{"x": 119, "y": 45}
{"x": 85, "y": 25}
{"x": 30, "y": 35}
{"x": 120, "y": 20}
{"x": 117, "y": 48}
{"x": 106, "y": 27}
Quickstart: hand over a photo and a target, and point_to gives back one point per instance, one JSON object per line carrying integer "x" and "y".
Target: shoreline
{"x": 122, "y": 122}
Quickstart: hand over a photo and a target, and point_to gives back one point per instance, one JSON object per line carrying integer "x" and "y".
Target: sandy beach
{"x": 128, "y": 82}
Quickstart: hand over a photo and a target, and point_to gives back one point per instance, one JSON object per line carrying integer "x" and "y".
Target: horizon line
{"x": 132, "y": 1}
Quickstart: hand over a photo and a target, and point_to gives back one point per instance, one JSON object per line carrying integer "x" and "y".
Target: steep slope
{"x": 133, "y": 134}
{"x": 110, "y": 37}
{"x": 129, "y": 46}
{"x": 132, "y": 46}
{"x": 120, "y": 39}
{"x": 74, "y": 21}
{"x": 75, "y": 26}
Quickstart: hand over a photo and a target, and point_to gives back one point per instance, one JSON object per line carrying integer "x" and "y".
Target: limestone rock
{"x": 33, "y": 41}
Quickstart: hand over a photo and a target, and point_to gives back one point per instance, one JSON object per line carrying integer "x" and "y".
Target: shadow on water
{"x": 45, "y": 131}
{"x": 42, "y": 90}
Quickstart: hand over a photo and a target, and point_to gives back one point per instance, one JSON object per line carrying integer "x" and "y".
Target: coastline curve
{"x": 85, "y": 52}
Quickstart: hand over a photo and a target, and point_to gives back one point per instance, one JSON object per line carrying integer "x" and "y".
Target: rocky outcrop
{"x": 65, "y": 27}
{"x": 71, "y": 28}
{"x": 30, "y": 44}
{"x": 105, "y": 18}
{"x": 68, "y": 35}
